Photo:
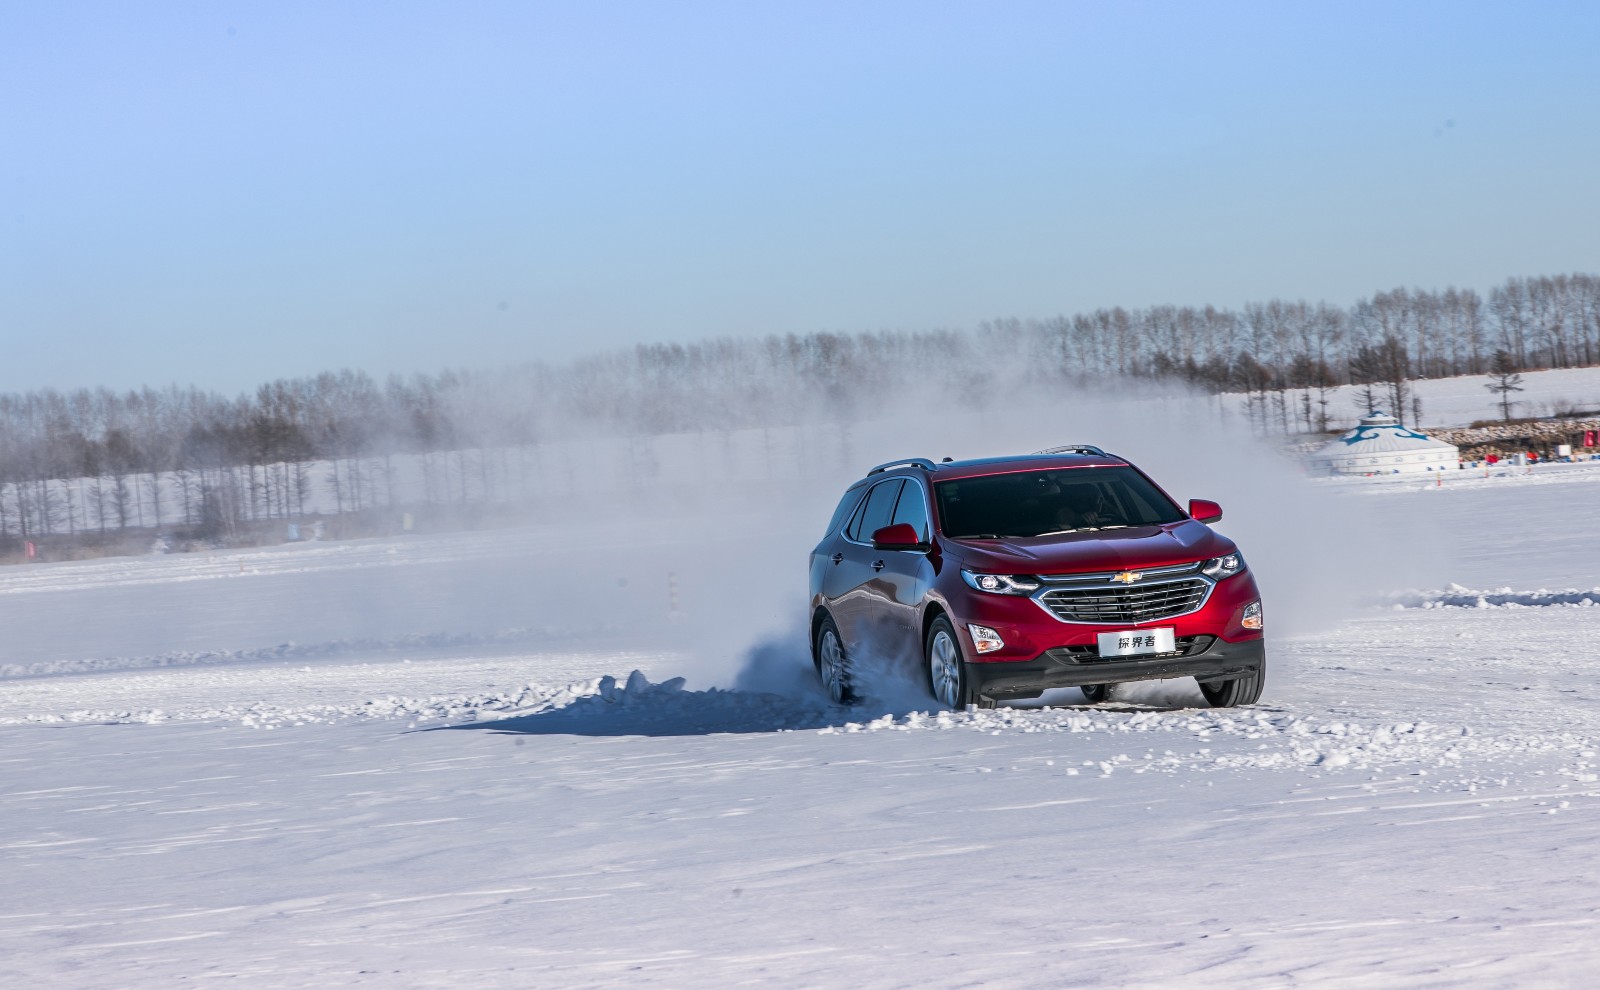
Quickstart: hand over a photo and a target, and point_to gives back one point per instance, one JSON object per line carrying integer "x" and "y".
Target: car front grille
{"x": 1110, "y": 606}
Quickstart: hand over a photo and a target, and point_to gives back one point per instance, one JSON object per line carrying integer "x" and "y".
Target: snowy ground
{"x": 1463, "y": 400}
{"x": 399, "y": 764}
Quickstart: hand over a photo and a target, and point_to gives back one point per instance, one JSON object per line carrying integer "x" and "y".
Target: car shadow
{"x": 1174, "y": 694}
{"x": 637, "y": 707}
{"x": 640, "y": 708}
{"x": 689, "y": 719}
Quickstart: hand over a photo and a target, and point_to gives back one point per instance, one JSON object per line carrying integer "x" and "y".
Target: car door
{"x": 902, "y": 577}
{"x": 855, "y": 601}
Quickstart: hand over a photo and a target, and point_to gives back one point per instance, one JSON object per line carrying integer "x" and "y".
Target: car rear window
{"x": 1041, "y": 503}
{"x": 845, "y": 505}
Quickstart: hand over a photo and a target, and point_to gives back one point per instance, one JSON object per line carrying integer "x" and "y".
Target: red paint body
{"x": 884, "y": 591}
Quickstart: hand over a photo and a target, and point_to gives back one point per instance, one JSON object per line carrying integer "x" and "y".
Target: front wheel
{"x": 1244, "y": 690}
{"x": 947, "y": 674}
{"x": 1094, "y": 694}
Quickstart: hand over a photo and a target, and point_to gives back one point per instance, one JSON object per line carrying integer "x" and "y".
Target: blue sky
{"x": 222, "y": 194}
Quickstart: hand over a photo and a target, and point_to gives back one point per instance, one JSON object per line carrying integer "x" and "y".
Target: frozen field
{"x": 1463, "y": 400}
{"x": 400, "y": 763}
{"x": 1459, "y": 401}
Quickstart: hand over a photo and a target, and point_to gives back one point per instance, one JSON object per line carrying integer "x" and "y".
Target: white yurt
{"x": 1380, "y": 445}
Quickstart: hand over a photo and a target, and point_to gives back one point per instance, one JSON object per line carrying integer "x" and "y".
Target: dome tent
{"x": 1380, "y": 445}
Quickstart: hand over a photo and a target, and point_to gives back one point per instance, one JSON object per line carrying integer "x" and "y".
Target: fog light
{"x": 985, "y": 639}
{"x": 1252, "y": 616}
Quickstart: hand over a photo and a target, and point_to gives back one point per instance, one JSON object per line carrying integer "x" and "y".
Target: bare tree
{"x": 1386, "y": 368}
{"x": 1503, "y": 380}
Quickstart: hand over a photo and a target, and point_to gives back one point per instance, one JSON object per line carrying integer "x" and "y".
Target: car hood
{"x": 1113, "y": 550}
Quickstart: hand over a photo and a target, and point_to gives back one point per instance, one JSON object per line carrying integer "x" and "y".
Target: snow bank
{"x": 1169, "y": 740}
{"x": 1458, "y": 597}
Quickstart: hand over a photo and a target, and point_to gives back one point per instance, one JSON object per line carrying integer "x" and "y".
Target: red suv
{"x": 1008, "y": 576}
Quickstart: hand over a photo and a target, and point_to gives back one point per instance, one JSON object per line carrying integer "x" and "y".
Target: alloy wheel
{"x": 944, "y": 668}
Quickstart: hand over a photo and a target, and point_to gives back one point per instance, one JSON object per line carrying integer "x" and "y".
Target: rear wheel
{"x": 833, "y": 664}
{"x": 1244, "y": 690}
{"x": 947, "y": 674}
{"x": 1095, "y": 693}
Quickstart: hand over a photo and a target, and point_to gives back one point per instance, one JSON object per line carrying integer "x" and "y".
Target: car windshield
{"x": 1045, "y": 503}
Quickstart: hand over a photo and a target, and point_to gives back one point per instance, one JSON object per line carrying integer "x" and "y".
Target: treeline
{"x": 105, "y": 461}
{"x": 1268, "y": 350}
{"x": 98, "y": 461}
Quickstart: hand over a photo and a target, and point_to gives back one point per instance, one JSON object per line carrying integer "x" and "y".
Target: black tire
{"x": 1094, "y": 694}
{"x": 833, "y": 663}
{"x": 947, "y": 669}
{"x": 1244, "y": 690}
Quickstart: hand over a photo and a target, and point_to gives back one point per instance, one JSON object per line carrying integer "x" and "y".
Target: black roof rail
{"x": 916, "y": 462}
{"x": 1076, "y": 448}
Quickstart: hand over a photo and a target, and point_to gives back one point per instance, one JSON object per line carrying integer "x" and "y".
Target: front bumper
{"x": 1217, "y": 660}
{"x": 1029, "y": 630}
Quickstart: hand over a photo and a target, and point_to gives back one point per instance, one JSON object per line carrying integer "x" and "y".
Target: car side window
{"x": 875, "y": 514}
{"x": 847, "y": 503}
{"x": 913, "y": 509}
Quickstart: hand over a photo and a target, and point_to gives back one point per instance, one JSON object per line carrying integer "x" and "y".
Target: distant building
{"x": 1380, "y": 445}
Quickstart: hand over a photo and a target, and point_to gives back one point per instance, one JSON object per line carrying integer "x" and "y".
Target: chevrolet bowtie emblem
{"x": 1127, "y": 577}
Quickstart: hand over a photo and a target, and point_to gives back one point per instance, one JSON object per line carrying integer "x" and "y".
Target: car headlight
{"x": 1001, "y": 584}
{"x": 1221, "y": 567}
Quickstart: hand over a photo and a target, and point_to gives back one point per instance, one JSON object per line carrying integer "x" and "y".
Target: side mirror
{"x": 1203, "y": 510}
{"x": 900, "y": 536}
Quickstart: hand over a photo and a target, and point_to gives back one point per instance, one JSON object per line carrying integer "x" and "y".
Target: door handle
{"x": 838, "y": 558}
{"x": 877, "y": 565}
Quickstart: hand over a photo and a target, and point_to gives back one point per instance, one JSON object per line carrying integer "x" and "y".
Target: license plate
{"x": 1138, "y": 642}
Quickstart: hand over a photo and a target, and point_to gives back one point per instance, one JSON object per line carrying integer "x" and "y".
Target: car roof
{"x": 980, "y": 466}
{"x": 977, "y": 467}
